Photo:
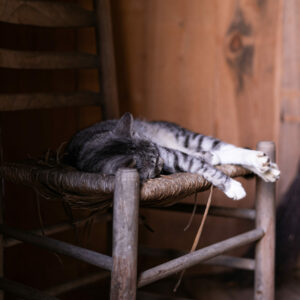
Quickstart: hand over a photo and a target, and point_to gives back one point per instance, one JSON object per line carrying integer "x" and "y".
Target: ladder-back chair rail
{"x": 54, "y": 14}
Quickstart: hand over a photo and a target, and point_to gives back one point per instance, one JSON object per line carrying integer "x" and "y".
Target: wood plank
{"x": 246, "y": 74}
{"x": 107, "y": 69}
{"x": 229, "y": 212}
{"x": 45, "y": 13}
{"x": 23, "y": 291}
{"x": 47, "y": 60}
{"x": 289, "y": 131}
{"x": 12, "y": 102}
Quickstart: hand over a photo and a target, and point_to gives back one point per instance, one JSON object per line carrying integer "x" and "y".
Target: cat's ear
{"x": 124, "y": 125}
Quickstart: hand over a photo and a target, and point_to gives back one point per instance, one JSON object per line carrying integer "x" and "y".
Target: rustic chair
{"x": 98, "y": 192}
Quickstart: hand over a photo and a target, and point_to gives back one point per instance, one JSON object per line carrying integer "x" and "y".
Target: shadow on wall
{"x": 288, "y": 231}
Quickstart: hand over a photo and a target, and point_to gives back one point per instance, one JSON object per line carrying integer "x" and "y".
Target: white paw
{"x": 235, "y": 190}
{"x": 263, "y": 167}
{"x": 272, "y": 174}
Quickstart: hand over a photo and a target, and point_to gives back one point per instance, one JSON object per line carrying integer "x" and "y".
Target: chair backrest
{"x": 62, "y": 15}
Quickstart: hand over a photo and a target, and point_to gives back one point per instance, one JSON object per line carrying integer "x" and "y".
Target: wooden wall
{"x": 224, "y": 68}
{"x": 289, "y": 94}
{"x": 208, "y": 65}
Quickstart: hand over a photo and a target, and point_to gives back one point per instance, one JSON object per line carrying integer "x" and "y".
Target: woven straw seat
{"x": 95, "y": 191}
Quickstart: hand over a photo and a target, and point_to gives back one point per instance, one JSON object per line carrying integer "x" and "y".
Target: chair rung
{"x": 23, "y": 291}
{"x": 240, "y": 213}
{"x": 77, "y": 283}
{"x": 45, "y": 14}
{"x": 38, "y": 60}
{"x": 220, "y": 260}
{"x": 57, "y": 228}
{"x": 11, "y": 102}
{"x": 232, "y": 262}
{"x": 193, "y": 258}
{"x": 88, "y": 256}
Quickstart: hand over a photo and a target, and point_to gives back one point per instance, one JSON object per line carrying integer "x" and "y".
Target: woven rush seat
{"x": 94, "y": 191}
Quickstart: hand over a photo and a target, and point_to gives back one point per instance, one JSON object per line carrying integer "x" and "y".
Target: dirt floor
{"x": 215, "y": 289}
{"x": 231, "y": 286}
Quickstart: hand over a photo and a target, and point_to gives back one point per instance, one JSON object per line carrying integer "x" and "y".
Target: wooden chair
{"x": 98, "y": 191}
{"x": 61, "y": 16}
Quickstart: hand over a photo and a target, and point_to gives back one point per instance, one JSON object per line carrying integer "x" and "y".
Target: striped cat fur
{"x": 163, "y": 147}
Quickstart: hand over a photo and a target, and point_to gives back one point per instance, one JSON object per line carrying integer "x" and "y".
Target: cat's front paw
{"x": 234, "y": 190}
{"x": 264, "y": 168}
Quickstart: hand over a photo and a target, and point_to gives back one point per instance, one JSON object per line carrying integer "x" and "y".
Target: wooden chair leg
{"x": 125, "y": 235}
{"x": 265, "y": 219}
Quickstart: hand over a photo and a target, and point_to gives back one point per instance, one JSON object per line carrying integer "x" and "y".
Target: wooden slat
{"x": 23, "y": 291}
{"x": 289, "y": 85}
{"x": 86, "y": 255}
{"x": 57, "y": 228}
{"x": 46, "y": 60}
{"x": 11, "y": 102}
{"x": 231, "y": 212}
{"x": 45, "y": 13}
{"x": 193, "y": 258}
{"x": 107, "y": 71}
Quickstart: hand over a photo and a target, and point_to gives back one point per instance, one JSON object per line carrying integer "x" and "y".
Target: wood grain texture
{"x": 208, "y": 65}
{"x": 45, "y": 13}
{"x": 12, "y": 102}
{"x": 265, "y": 219}
{"x": 46, "y": 60}
{"x": 107, "y": 68}
{"x": 125, "y": 235}
{"x": 289, "y": 131}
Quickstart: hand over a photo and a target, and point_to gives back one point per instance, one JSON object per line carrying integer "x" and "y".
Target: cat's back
{"x": 162, "y": 133}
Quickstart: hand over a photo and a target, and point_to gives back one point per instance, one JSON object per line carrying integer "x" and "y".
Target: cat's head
{"x": 122, "y": 148}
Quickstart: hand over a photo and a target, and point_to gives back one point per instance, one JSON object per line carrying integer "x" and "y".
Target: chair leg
{"x": 125, "y": 235}
{"x": 265, "y": 219}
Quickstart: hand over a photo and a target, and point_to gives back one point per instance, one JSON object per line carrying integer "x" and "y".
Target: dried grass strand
{"x": 198, "y": 235}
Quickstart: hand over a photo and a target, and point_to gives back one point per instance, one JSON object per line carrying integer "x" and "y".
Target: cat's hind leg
{"x": 256, "y": 161}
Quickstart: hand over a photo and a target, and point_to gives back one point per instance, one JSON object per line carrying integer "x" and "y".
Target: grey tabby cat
{"x": 155, "y": 147}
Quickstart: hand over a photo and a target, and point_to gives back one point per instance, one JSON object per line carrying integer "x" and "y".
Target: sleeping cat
{"x": 155, "y": 147}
